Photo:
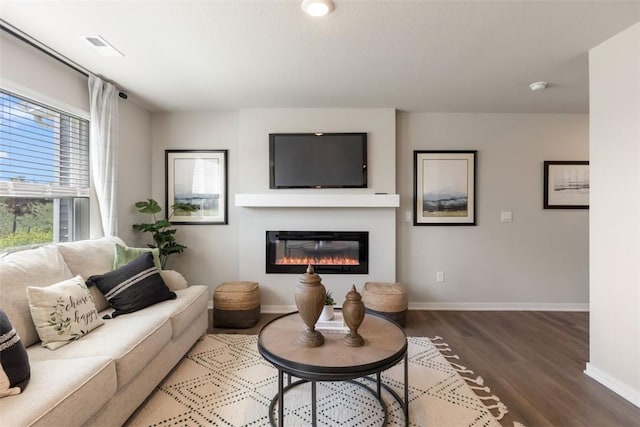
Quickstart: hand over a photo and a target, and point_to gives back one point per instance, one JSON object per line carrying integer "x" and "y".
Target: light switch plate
{"x": 506, "y": 216}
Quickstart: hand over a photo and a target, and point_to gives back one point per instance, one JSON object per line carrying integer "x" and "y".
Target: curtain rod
{"x": 22, "y": 36}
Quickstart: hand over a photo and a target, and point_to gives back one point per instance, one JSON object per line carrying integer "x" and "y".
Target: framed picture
{"x": 198, "y": 177}
{"x": 444, "y": 187}
{"x": 566, "y": 184}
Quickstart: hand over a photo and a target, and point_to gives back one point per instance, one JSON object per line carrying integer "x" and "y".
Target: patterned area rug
{"x": 223, "y": 381}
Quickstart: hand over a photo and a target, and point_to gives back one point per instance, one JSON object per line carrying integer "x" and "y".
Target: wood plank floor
{"x": 533, "y": 361}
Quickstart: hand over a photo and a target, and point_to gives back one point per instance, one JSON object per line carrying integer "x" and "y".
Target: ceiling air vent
{"x": 103, "y": 46}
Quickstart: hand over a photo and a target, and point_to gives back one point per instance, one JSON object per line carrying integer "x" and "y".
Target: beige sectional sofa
{"x": 100, "y": 379}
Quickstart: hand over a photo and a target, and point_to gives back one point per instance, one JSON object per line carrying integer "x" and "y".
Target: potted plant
{"x": 161, "y": 231}
{"x": 327, "y": 310}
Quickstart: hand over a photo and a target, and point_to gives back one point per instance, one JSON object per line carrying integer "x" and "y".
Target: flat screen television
{"x": 318, "y": 160}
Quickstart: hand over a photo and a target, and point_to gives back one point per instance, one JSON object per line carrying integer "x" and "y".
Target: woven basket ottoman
{"x": 387, "y": 299}
{"x": 236, "y": 305}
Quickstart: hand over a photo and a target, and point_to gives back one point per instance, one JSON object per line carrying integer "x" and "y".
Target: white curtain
{"x": 103, "y": 143}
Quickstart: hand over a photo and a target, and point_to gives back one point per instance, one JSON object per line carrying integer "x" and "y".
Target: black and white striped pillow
{"x": 134, "y": 286}
{"x": 14, "y": 367}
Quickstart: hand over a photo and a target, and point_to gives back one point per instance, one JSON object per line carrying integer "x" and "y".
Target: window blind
{"x": 44, "y": 152}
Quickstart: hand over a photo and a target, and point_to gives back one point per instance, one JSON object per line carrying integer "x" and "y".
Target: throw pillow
{"x": 63, "y": 312}
{"x": 133, "y": 286}
{"x": 124, "y": 255}
{"x": 14, "y": 367}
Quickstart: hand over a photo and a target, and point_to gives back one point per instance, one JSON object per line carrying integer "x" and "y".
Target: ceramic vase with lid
{"x": 309, "y": 298}
{"x": 353, "y": 313}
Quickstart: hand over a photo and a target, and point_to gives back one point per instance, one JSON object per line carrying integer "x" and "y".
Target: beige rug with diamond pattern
{"x": 223, "y": 381}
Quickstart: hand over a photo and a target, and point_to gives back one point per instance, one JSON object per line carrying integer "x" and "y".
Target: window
{"x": 44, "y": 174}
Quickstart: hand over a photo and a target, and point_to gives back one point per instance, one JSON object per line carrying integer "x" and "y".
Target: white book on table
{"x": 335, "y": 326}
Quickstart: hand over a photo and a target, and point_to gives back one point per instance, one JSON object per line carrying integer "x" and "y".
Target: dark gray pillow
{"x": 132, "y": 287}
{"x": 14, "y": 360}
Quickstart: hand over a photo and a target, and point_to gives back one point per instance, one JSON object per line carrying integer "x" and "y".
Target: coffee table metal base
{"x": 377, "y": 393}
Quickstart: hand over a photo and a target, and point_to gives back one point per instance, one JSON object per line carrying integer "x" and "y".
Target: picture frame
{"x": 444, "y": 187}
{"x": 198, "y": 177}
{"x": 566, "y": 184}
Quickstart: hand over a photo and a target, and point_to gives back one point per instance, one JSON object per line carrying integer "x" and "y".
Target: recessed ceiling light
{"x": 104, "y": 47}
{"x": 538, "y": 86}
{"x": 317, "y": 7}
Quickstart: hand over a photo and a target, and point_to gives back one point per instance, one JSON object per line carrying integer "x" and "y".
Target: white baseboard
{"x": 276, "y": 309}
{"x": 458, "y": 306}
{"x": 498, "y": 306}
{"x": 613, "y": 384}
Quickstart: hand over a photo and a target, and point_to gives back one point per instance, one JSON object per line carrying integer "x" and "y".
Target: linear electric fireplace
{"x": 330, "y": 252}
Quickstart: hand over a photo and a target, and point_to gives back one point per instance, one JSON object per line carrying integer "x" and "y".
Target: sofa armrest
{"x": 174, "y": 280}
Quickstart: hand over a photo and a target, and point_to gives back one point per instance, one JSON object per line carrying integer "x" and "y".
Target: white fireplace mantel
{"x": 266, "y": 200}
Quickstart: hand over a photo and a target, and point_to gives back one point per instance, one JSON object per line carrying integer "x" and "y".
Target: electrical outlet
{"x": 440, "y": 276}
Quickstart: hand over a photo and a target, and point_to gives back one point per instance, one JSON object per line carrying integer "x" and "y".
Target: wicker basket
{"x": 387, "y": 299}
{"x": 236, "y": 305}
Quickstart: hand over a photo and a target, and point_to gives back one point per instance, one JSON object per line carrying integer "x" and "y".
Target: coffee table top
{"x": 385, "y": 345}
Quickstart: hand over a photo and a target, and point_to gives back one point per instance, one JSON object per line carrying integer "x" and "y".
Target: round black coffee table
{"x": 385, "y": 346}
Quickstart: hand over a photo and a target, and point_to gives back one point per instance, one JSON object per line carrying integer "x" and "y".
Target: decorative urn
{"x": 353, "y": 313}
{"x": 309, "y": 296}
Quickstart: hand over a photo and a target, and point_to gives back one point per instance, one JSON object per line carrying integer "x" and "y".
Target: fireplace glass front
{"x": 330, "y": 252}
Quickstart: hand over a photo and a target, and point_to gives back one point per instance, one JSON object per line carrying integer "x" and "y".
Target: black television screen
{"x": 318, "y": 160}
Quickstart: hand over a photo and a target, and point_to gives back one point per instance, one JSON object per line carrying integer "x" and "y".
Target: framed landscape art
{"x": 566, "y": 184}
{"x": 198, "y": 177}
{"x": 444, "y": 187}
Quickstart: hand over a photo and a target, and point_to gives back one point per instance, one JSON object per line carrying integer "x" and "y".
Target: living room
{"x": 541, "y": 260}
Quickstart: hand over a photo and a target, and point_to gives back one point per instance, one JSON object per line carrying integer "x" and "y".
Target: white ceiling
{"x": 413, "y": 55}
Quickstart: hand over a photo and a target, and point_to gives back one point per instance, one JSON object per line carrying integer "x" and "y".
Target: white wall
{"x": 255, "y": 125}
{"x": 218, "y": 253}
{"x": 33, "y": 73}
{"x": 614, "y": 69}
{"x": 134, "y": 168}
{"x": 538, "y": 261}
{"x": 212, "y": 254}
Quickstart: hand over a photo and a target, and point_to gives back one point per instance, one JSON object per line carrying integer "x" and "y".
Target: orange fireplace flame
{"x": 326, "y": 260}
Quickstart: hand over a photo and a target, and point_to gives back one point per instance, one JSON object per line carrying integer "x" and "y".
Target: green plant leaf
{"x": 149, "y": 206}
{"x": 173, "y": 249}
{"x": 144, "y": 227}
{"x": 162, "y": 230}
{"x": 163, "y": 223}
{"x": 328, "y": 299}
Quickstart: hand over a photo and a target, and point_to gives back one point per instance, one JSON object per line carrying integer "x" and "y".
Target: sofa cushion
{"x": 63, "y": 312}
{"x": 43, "y": 266}
{"x": 173, "y": 279}
{"x": 131, "y": 344}
{"x": 183, "y": 311}
{"x": 62, "y": 392}
{"x": 89, "y": 257}
{"x": 124, "y": 255}
{"x": 14, "y": 361}
{"x": 134, "y": 286}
